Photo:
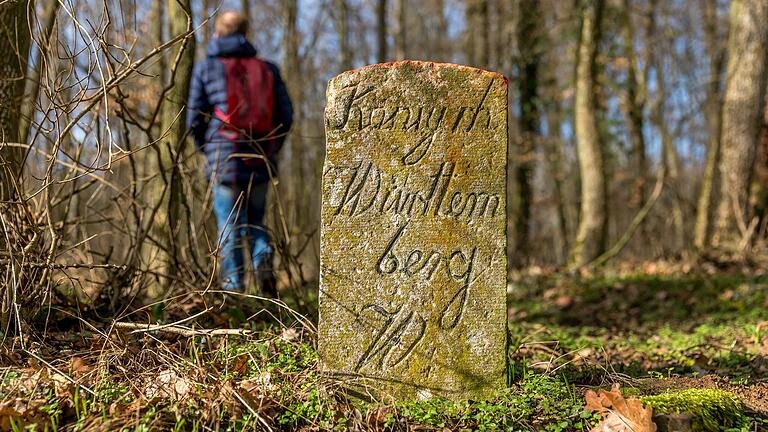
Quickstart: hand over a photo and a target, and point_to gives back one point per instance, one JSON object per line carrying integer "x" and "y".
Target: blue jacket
{"x": 208, "y": 90}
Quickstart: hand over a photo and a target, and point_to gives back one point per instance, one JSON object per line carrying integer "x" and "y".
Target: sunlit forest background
{"x": 104, "y": 198}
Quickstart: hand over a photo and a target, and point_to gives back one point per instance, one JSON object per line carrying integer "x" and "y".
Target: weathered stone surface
{"x": 413, "y": 241}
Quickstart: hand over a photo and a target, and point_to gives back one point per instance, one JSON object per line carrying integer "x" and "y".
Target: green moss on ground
{"x": 713, "y": 410}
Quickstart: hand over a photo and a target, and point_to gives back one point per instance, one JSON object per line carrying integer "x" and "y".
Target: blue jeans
{"x": 240, "y": 221}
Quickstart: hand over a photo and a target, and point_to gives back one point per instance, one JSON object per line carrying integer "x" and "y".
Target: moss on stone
{"x": 403, "y": 305}
{"x": 713, "y": 410}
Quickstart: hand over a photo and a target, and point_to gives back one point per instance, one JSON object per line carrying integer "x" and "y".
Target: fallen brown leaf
{"x": 619, "y": 414}
{"x": 78, "y": 365}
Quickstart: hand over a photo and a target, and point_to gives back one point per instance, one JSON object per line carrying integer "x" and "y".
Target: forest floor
{"x": 656, "y": 330}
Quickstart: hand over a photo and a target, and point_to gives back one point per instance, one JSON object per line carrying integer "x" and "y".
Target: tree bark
{"x": 381, "y": 30}
{"x": 713, "y": 114}
{"x": 529, "y": 42}
{"x": 743, "y": 103}
{"x": 14, "y": 51}
{"x": 342, "y": 33}
{"x": 591, "y": 233}
{"x": 32, "y": 90}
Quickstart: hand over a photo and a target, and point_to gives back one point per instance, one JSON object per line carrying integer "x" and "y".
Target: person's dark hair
{"x": 231, "y": 22}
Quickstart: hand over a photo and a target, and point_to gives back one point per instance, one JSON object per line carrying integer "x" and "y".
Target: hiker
{"x": 239, "y": 113}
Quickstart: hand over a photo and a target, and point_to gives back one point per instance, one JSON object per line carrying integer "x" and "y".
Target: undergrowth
{"x": 103, "y": 379}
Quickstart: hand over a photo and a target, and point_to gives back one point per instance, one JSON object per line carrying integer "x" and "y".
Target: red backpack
{"x": 250, "y": 95}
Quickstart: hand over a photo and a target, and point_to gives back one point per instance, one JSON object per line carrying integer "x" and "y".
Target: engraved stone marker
{"x": 413, "y": 237}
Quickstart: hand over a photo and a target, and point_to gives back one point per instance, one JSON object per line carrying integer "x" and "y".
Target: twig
{"x": 174, "y": 324}
{"x": 55, "y": 266}
{"x": 181, "y": 330}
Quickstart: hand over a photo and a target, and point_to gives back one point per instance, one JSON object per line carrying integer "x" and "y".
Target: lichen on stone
{"x": 413, "y": 233}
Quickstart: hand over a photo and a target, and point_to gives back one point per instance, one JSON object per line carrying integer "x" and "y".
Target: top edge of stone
{"x": 422, "y": 64}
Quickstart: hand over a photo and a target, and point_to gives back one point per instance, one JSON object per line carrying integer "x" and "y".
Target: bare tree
{"x": 743, "y": 102}
{"x": 381, "y": 30}
{"x": 206, "y": 6}
{"x": 342, "y": 33}
{"x": 245, "y": 7}
{"x": 670, "y": 159}
{"x": 634, "y": 104}
{"x": 442, "y": 30}
{"x": 713, "y": 114}
{"x": 33, "y": 81}
{"x": 400, "y": 30}
{"x": 14, "y": 50}
{"x": 529, "y": 43}
{"x": 478, "y": 36}
{"x": 158, "y": 15}
{"x": 167, "y": 193}
{"x": 591, "y": 233}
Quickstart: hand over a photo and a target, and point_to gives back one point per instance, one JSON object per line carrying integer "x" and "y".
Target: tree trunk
{"x": 443, "y": 44}
{"x": 478, "y": 33}
{"x": 14, "y": 50}
{"x": 504, "y": 35}
{"x": 760, "y": 181}
{"x": 670, "y": 157}
{"x": 158, "y": 14}
{"x": 167, "y": 193}
{"x": 295, "y": 154}
{"x": 743, "y": 103}
{"x": 529, "y": 36}
{"x": 381, "y": 30}
{"x": 485, "y": 34}
{"x": 713, "y": 115}
{"x": 400, "y": 30}
{"x": 245, "y": 5}
{"x": 671, "y": 165}
{"x": 343, "y": 35}
{"x": 634, "y": 107}
{"x": 32, "y": 90}
{"x": 591, "y": 233}
{"x": 206, "y": 6}
{"x": 554, "y": 145}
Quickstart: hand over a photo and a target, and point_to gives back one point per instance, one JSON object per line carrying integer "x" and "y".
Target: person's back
{"x": 239, "y": 112}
